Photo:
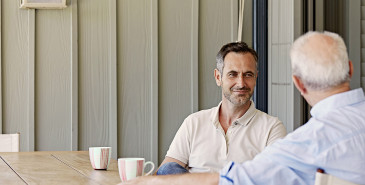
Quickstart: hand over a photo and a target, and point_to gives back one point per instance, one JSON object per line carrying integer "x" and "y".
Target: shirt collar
{"x": 337, "y": 100}
{"x": 243, "y": 120}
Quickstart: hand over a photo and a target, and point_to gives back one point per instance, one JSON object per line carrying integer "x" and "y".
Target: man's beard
{"x": 240, "y": 99}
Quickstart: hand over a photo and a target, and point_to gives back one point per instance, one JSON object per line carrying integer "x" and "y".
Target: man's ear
{"x": 299, "y": 84}
{"x": 351, "y": 69}
{"x": 217, "y": 77}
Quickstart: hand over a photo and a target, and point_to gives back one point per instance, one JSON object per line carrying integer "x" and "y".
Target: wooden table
{"x": 66, "y": 167}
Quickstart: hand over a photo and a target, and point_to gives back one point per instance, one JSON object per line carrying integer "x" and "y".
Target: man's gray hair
{"x": 319, "y": 67}
{"x": 237, "y": 47}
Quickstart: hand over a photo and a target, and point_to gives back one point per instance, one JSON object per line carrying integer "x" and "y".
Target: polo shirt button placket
{"x": 228, "y": 137}
{"x": 225, "y": 149}
{"x": 227, "y": 146}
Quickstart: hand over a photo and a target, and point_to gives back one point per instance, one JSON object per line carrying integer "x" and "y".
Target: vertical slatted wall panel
{"x": 136, "y": 69}
{"x": 53, "y": 80}
{"x": 113, "y": 132}
{"x": 15, "y": 64}
{"x": 194, "y": 100}
{"x": 154, "y": 81}
{"x": 74, "y": 77}
{"x": 94, "y": 69}
{"x": 31, "y": 80}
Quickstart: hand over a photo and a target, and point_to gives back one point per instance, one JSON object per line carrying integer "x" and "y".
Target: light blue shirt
{"x": 333, "y": 140}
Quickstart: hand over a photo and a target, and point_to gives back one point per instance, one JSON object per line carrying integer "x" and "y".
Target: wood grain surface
{"x": 60, "y": 167}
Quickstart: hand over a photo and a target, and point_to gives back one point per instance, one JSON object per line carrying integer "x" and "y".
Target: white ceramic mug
{"x": 130, "y": 168}
{"x": 100, "y": 157}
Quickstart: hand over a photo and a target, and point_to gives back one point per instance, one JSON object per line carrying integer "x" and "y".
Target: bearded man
{"x": 234, "y": 130}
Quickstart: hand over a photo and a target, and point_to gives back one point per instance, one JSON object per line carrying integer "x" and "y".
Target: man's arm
{"x": 185, "y": 179}
{"x": 179, "y": 150}
{"x": 170, "y": 159}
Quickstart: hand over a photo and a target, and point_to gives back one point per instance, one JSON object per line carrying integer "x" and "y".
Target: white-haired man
{"x": 332, "y": 140}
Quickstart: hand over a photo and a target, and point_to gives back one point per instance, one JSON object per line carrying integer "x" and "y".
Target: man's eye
{"x": 249, "y": 75}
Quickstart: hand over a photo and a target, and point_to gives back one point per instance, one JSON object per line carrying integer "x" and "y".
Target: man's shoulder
{"x": 202, "y": 115}
{"x": 206, "y": 113}
{"x": 266, "y": 117}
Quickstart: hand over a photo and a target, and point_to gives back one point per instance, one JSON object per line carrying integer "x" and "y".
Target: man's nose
{"x": 241, "y": 81}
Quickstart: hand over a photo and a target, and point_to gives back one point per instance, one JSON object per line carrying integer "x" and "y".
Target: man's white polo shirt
{"x": 201, "y": 142}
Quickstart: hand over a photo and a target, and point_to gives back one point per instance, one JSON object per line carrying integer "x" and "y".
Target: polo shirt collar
{"x": 337, "y": 101}
{"x": 243, "y": 120}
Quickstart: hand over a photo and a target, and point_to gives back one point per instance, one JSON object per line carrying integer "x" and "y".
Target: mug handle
{"x": 152, "y": 168}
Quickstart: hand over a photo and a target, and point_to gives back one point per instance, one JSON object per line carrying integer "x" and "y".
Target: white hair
{"x": 322, "y": 64}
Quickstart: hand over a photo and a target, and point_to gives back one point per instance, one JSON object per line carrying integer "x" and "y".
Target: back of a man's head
{"x": 320, "y": 60}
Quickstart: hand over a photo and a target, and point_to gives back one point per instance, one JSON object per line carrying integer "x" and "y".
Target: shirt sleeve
{"x": 180, "y": 146}
{"x": 260, "y": 171}
{"x": 252, "y": 174}
{"x": 275, "y": 165}
{"x": 277, "y": 131}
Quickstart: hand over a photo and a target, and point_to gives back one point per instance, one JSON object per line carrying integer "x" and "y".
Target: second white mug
{"x": 130, "y": 168}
